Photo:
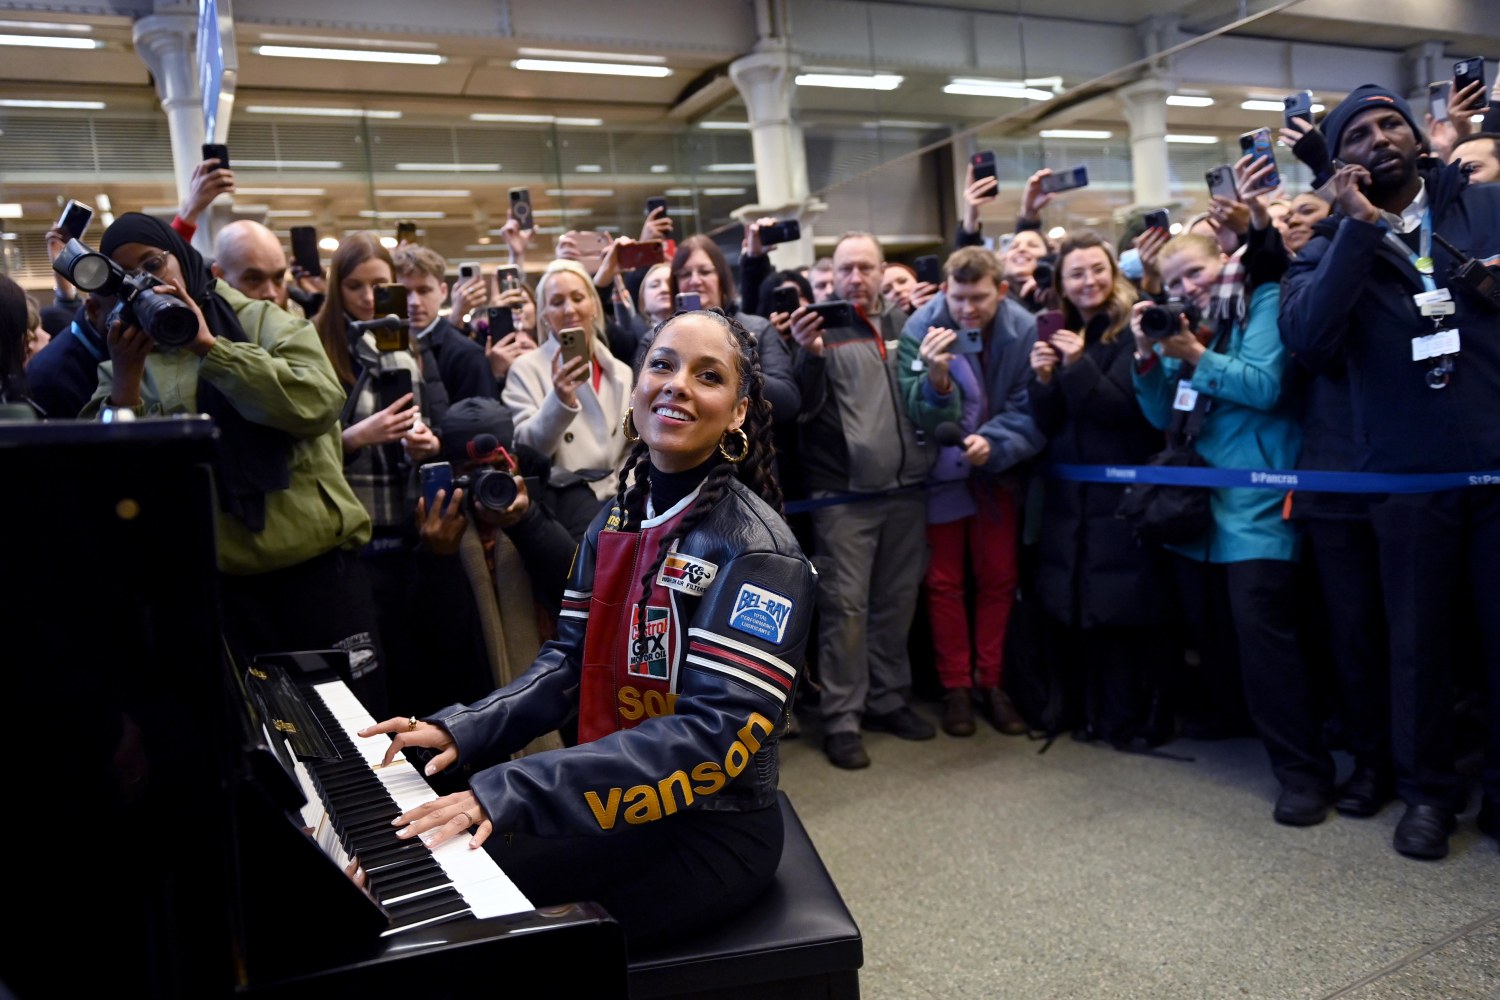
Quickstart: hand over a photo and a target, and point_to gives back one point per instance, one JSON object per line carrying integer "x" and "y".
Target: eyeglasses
{"x": 153, "y": 264}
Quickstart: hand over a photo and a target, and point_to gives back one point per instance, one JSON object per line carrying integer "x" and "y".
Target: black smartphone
{"x": 1065, "y": 180}
{"x": 391, "y": 385}
{"x": 1298, "y": 105}
{"x": 437, "y": 476}
{"x": 1467, "y": 71}
{"x": 968, "y": 342}
{"x": 653, "y": 203}
{"x": 1437, "y": 99}
{"x": 836, "y": 313}
{"x": 502, "y": 322}
{"x": 689, "y": 302}
{"x": 1158, "y": 219}
{"x": 75, "y": 219}
{"x": 786, "y": 299}
{"x": 305, "y": 250}
{"x": 784, "y": 231}
{"x": 406, "y": 232}
{"x": 520, "y": 208}
{"x": 983, "y": 163}
{"x": 1258, "y": 145}
{"x": 217, "y": 151}
{"x": 1221, "y": 183}
{"x": 929, "y": 269}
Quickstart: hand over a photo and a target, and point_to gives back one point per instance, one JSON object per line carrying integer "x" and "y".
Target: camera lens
{"x": 1042, "y": 275}
{"x": 493, "y": 489}
{"x": 1156, "y": 322}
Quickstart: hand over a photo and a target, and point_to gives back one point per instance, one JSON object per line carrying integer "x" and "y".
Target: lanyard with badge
{"x": 1441, "y": 346}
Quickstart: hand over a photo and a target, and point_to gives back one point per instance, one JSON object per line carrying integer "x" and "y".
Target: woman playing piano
{"x": 680, "y": 638}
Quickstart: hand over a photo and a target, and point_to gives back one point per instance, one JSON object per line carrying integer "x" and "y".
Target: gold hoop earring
{"x": 628, "y": 428}
{"x": 744, "y": 446}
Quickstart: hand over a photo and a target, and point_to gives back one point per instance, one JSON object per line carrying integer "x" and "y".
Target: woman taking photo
{"x": 287, "y": 524}
{"x": 1231, "y": 369}
{"x": 1098, "y": 586}
{"x": 665, "y": 811}
{"x": 570, "y": 410}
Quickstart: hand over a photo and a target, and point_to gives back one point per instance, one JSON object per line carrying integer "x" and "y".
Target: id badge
{"x": 1438, "y": 302}
{"x": 1435, "y": 345}
{"x": 1187, "y": 397}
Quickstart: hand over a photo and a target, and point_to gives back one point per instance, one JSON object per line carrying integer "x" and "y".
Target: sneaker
{"x": 903, "y": 722}
{"x": 846, "y": 750}
{"x": 1001, "y": 711}
{"x": 958, "y": 712}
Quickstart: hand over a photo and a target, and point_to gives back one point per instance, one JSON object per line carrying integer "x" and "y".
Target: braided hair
{"x": 757, "y": 469}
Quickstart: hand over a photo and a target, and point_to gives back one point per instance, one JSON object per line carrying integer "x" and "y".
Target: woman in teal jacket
{"x": 1236, "y": 361}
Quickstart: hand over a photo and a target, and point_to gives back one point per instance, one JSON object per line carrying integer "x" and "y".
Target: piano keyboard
{"x": 350, "y": 807}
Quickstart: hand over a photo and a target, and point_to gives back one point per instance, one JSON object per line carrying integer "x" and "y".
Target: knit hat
{"x": 1362, "y": 98}
{"x": 466, "y": 420}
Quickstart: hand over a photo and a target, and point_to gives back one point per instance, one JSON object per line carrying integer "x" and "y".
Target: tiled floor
{"x": 980, "y": 868}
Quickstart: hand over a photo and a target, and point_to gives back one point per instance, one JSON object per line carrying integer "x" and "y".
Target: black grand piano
{"x": 180, "y": 814}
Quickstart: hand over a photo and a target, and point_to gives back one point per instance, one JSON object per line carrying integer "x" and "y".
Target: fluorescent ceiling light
{"x": 722, "y": 192}
{"x": 420, "y": 193}
{"x": 43, "y": 26}
{"x": 1074, "y": 133}
{"x": 580, "y": 193}
{"x": 292, "y": 164}
{"x": 251, "y": 209}
{"x": 271, "y": 36}
{"x": 50, "y": 42}
{"x": 350, "y": 55}
{"x": 554, "y": 213}
{"x": 492, "y": 168}
{"x": 678, "y": 192}
{"x": 1188, "y": 101}
{"x": 389, "y": 242}
{"x": 899, "y": 123}
{"x": 726, "y": 126}
{"x": 366, "y": 213}
{"x": 289, "y": 213}
{"x": 1257, "y": 104}
{"x": 574, "y": 54}
{"x": 1014, "y": 89}
{"x": 10, "y": 210}
{"x": 682, "y": 211}
{"x": 102, "y": 201}
{"x": 56, "y": 105}
{"x": 536, "y": 119}
{"x": 850, "y": 81}
{"x": 1193, "y": 140}
{"x": 270, "y": 109}
{"x": 599, "y": 68}
{"x": 294, "y": 191}
{"x": 551, "y": 230}
{"x": 659, "y": 168}
{"x": 328, "y": 243}
{"x": 730, "y": 168}
{"x": 589, "y": 168}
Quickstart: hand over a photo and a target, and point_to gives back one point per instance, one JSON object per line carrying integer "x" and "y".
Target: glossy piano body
{"x": 165, "y": 834}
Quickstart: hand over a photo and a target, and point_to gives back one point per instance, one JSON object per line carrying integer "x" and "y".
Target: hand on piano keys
{"x": 412, "y": 732}
{"x": 442, "y": 818}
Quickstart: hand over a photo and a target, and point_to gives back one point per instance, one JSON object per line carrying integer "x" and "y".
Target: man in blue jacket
{"x": 1377, "y": 289}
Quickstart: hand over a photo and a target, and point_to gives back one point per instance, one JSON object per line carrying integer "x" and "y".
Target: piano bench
{"x": 798, "y": 941}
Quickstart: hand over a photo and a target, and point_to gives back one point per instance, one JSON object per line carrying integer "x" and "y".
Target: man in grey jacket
{"x": 856, "y": 438}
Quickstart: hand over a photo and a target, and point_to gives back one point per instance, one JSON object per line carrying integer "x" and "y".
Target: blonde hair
{"x": 1122, "y": 294}
{"x": 576, "y": 269}
{"x": 1206, "y": 245}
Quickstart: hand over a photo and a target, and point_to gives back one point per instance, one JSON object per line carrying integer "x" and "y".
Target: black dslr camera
{"x": 1046, "y": 268}
{"x": 166, "y": 320}
{"x": 493, "y": 490}
{"x": 1163, "y": 321}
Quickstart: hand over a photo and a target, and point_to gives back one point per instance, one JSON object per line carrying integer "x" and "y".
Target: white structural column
{"x": 765, "y": 79}
{"x": 165, "y": 43}
{"x": 1146, "y": 110}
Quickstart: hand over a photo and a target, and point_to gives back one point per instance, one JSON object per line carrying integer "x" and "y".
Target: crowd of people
{"x": 610, "y": 554}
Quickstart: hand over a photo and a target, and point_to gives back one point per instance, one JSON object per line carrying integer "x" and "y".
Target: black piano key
{"x": 385, "y": 886}
{"x": 430, "y": 905}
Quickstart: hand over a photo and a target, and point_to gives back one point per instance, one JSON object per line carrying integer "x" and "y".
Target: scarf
{"x": 1228, "y": 305}
{"x": 253, "y": 459}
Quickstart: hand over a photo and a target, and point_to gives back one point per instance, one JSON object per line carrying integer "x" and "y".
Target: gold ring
{"x": 411, "y": 723}
{"x": 467, "y": 821}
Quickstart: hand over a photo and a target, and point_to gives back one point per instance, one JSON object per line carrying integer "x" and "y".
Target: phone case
{"x": 968, "y": 342}
{"x": 637, "y": 255}
{"x": 501, "y": 321}
{"x": 984, "y": 165}
{"x": 437, "y": 476}
{"x": 929, "y": 269}
{"x": 573, "y": 343}
{"x": 652, "y": 204}
{"x": 1221, "y": 182}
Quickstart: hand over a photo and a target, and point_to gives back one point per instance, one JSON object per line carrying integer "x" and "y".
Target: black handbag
{"x": 1165, "y": 514}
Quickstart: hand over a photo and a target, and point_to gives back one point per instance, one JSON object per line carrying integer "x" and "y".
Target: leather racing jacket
{"x": 679, "y": 711}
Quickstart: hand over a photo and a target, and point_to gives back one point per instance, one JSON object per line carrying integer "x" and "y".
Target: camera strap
{"x": 1186, "y": 425}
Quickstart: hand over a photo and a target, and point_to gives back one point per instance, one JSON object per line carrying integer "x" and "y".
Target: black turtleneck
{"x": 668, "y": 488}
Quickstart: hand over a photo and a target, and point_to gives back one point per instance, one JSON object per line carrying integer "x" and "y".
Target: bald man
{"x": 249, "y": 257}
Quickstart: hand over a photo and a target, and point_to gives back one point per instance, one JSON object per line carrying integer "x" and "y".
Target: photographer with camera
{"x": 1390, "y": 289}
{"x": 1212, "y": 355}
{"x": 288, "y": 524}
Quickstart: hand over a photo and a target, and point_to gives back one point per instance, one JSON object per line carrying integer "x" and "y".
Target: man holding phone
{"x": 1377, "y": 293}
{"x": 461, "y": 362}
{"x": 971, "y": 508}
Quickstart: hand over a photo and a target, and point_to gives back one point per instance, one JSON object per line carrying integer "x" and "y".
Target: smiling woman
{"x": 681, "y": 676}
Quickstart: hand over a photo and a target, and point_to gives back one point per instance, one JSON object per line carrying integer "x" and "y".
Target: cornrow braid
{"x": 634, "y": 463}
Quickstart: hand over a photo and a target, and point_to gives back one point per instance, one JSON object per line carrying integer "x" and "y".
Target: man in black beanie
{"x": 1376, "y": 293}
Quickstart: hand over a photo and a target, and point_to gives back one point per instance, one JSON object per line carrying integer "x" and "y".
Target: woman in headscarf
{"x": 287, "y": 523}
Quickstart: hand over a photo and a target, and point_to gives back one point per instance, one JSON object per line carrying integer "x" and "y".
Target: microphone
{"x": 483, "y": 447}
{"x": 948, "y": 434}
